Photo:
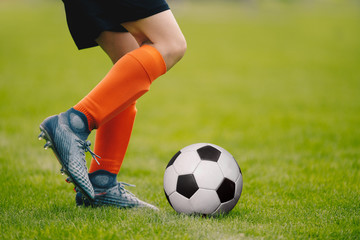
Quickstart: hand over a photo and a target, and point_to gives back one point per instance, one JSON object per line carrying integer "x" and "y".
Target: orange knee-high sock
{"x": 128, "y": 79}
{"x": 112, "y": 139}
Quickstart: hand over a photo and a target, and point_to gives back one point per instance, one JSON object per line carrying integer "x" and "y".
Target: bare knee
{"x": 179, "y": 49}
{"x": 161, "y": 31}
{"x": 172, "y": 50}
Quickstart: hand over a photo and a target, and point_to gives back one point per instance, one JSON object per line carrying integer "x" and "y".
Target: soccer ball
{"x": 203, "y": 179}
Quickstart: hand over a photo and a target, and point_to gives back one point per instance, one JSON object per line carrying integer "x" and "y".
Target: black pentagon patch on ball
{"x": 186, "y": 185}
{"x": 226, "y": 191}
{"x": 209, "y": 153}
{"x": 172, "y": 160}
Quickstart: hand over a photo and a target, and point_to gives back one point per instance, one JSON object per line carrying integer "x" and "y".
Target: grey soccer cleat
{"x": 109, "y": 192}
{"x": 66, "y": 135}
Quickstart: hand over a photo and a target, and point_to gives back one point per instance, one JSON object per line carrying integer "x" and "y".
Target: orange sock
{"x": 127, "y": 80}
{"x": 112, "y": 140}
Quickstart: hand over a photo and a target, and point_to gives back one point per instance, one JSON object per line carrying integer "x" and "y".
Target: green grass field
{"x": 277, "y": 85}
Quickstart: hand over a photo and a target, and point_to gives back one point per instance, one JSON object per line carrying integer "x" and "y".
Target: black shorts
{"x": 88, "y": 18}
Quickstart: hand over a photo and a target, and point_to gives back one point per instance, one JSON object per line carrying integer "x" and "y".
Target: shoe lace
{"x": 121, "y": 187}
{"x": 86, "y": 146}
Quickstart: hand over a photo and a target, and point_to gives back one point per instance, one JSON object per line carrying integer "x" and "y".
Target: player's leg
{"x": 171, "y": 45}
{"x": 112, "y": 139}
{"x": 162, "y": 32}
{"x": 162, "y": 45}
{"x": 128, "y": 80}
{"x": 63, "y": 141}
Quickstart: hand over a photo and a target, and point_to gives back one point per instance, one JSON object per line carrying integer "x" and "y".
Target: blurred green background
{"x": 276, "y": 83}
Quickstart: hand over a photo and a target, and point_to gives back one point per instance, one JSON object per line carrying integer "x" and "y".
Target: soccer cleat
{"x": 109, "y": 192}
{"x": 66, "y": 135}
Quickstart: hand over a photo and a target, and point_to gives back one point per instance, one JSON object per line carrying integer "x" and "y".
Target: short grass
{"x": 278, "y": 85}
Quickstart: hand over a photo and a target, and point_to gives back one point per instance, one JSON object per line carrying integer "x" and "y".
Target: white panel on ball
{"x": 208, "y": 175}
{"x": 186, "y": 163}
{"x": 226, "y": 207}
{"x": 180, "y": 203}
{"x": 193, "y": 147}
{"x": 229, "y": 166}
{"x": 205, "y": 201}
{"x": 238, "y": 187}
{"x": 170, "y": 180}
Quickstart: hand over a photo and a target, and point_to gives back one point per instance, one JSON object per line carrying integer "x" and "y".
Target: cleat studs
{"x": 47, "y": 145}
{"x": 41, "y": 136}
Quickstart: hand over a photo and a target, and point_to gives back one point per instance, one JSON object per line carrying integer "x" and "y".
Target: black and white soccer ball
{"x": 203, "y": 179}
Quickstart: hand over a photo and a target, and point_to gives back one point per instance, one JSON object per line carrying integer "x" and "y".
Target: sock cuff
{"x": 151, "y": 60}
{"x": 110, "y": 165}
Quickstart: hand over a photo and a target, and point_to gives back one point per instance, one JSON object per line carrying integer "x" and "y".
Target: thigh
{"x": 162, "y": 31}
{"x": 156, "y": 28}
{"x": 116, "y": 44}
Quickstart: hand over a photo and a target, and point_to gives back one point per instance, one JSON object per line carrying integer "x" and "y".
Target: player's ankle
{"x": 89, "y": 118}
{"x": 103, "y": 179}
{"x": 78, "y": 123}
